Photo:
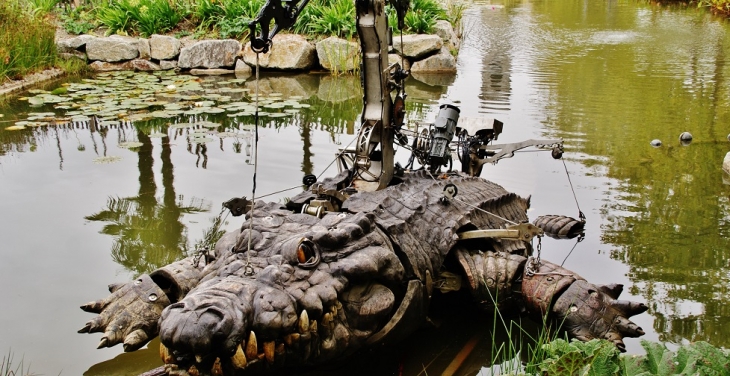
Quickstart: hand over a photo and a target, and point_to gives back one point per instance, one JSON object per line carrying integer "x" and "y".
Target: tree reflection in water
{"x": 148, "y": 233}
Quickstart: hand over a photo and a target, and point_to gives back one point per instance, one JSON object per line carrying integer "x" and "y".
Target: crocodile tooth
{"x": 165, "y": 355}
{"x": 216, "y": 370}
{"x": 193, "y": 371}
{"x": 198, "y": 358}
{"x": 304, "y": 322}
{"x": 269, "y": 348}
{"x": 252, "y": 347}
{"x": 334, "y": 310}
{"x": 289, "y": 339}
{"x": 307, "y": 352}
{"x": 313, "y": 326}
{"x": 239, "y": 358}
{"x": 280, "y": 349}
{"x": 327, "y": 319}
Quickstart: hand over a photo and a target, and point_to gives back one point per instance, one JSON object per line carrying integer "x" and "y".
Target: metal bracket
{"x": 497, "y": 152}
{"x": 522, "y": 231}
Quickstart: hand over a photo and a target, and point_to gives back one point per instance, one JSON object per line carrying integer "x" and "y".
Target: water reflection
{"x": 148, "y": 234}
{"x": 621, "y": 77}
{"x": 608, "y": 77}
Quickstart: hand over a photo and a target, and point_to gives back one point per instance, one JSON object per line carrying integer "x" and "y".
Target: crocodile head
{"x": 305, "y": 291}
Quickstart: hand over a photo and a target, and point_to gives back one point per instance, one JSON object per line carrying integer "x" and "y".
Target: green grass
{"x": 421, "y": 17}
{"x": 8, "y": 369}
{"x": 26, "y": 40}
{"x": 145, "y": 17}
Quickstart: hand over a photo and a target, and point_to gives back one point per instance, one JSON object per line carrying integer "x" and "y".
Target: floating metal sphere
{"x": 656, "y": 143}
{"x": 685, "y": 138}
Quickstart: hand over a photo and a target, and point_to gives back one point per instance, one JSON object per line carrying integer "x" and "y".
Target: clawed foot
{"x": 588, "y": 311}
{"x": 129, "y": 315}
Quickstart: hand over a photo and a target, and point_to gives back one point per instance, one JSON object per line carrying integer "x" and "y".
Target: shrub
{"x": 421, "y": 17}
{"x": 145, "y": 17}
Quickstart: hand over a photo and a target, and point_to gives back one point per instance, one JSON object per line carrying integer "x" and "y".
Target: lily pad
{"x": 109, "y": 159}
{"x": 209, "y": 124}
{"x": 201, "y": 140}
{"x": 36, "y": 101}
{"x": 15, "y": 127}
{"x": 130, "y": 144}
{"x": 157, "y": 135}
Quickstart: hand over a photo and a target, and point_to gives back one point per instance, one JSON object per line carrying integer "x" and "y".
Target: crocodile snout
{"x": 200, "y": 330}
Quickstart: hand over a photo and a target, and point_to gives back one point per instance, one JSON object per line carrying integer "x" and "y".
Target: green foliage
{"x": 593, "y": 358}
{"x": 229, "y": 18}
{"x": 77, "y": 21}
{"x": 145, "y": 17}
{"x": 717, "y": 5}
{"x": 6, "y": 367}
{"x": 599, "y": 357}
{"x": 421, "y": 17}
{"x": 336, "y": 17}
{"x": 26, "y": 40}
{"x": 42, "y": 6}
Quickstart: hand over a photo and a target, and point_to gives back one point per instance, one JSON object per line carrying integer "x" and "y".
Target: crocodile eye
{"x": 304, "y": 252}
{"x": 307, "y": 254}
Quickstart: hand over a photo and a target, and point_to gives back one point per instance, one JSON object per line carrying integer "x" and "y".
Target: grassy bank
{"x": 26, "y": 40}
{"x": 229, "y": 18}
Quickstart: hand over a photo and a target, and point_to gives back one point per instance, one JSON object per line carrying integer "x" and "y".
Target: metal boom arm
{"x": 374, "y": 146}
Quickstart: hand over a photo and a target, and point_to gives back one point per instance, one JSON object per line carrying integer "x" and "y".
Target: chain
{"x": 580, "y": 212}
{"x": 580, "y": 238}
{"x": 248, "y": 269}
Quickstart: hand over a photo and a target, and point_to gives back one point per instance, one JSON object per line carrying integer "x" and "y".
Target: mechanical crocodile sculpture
{"x": 292, "y": 290}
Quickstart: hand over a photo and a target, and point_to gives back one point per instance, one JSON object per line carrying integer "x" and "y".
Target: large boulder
{"x": 442, "y": 62}
{"x": 73, "y": 44}
{"x": 301, "y": 85}
{"x": 209, "y": 54}
{"x": 164, "y": 47}
{"x": 338, "y": 55}
{"x": 131, "y": 65}
{"x": 112, "y": 49}
{"x": 168, "y": 64}
{"x": 336, "y": 89}
{"x": 242, "y": 69}
{"x": 395, "y": 58}
{"x": 143, "y": 45}
{"x": 444, "y": 30}
{"x": 288, "y": 52}
{"x": 417, "y": 46}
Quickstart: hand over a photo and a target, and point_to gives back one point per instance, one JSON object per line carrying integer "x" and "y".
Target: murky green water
{"x": 607, "y": 76}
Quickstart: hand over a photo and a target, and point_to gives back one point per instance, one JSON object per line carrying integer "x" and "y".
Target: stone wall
{"x": 289, "y": 52}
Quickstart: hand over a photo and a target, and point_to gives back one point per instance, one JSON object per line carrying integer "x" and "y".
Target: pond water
{"x": 86, "y": 204}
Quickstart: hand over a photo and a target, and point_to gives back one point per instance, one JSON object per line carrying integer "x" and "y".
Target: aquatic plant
{"x": 6, "y": 367}
{"x": 722, "y": 6}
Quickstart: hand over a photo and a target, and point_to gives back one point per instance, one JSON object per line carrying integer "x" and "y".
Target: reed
{"x": 8, "y": 369}
{"x": 26, "y": 40}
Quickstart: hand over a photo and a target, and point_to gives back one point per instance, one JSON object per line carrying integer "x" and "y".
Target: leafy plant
{"x": 43, "y": 6}
{"x": 421, "y": 17}
{"x": 146, "y": 17}
{"x": 600, "y": 357}
{"x": 328, "y": 17}
{"x": 77, "y": 21}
